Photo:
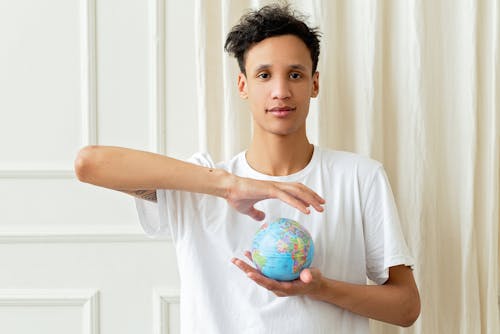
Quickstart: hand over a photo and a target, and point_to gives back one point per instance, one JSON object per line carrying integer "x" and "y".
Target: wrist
{"x": 322, "y": 290}
{"x": 223, "y": 182}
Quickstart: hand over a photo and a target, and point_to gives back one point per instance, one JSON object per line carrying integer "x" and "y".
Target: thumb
{"x": 306, "y": 276}
{"x": 309, "y": 274}
{"x": 256, "y": 214}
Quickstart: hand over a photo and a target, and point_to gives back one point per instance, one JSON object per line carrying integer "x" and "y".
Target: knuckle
{"x": 300, "y": 185}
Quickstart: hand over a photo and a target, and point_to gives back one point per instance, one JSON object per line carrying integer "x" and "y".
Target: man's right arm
{"x": 148, "y": 195}
{"x": 135, "y": 172}
{"x": 140, "y": 173}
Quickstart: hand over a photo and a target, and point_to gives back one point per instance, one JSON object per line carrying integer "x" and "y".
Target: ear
{"x": 242, "y": 86}
{"x": 315, "y": 84}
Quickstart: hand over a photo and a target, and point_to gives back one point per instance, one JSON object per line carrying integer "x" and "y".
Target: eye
{"x": 263, "y": 75}
{"x": 295, "y": 75}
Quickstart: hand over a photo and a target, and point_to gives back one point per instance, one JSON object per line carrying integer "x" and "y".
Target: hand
{"x": 243, "y": 193}
{"x": 309, "y": 282}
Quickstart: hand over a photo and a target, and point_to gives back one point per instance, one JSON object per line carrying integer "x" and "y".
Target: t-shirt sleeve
{"x": 158, "y": 219}
{"x": 385, "y": 243}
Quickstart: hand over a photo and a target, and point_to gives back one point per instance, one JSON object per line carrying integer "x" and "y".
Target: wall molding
{"x": 37, "y": 173}
{"x": 87, "y": 299}
{"x": 88, "y": 95}
{"x": 163, "y": 299}
{"x": 88, "y": 71}
{"x": 158, "y": 76}
{"x": 80, "y": 234}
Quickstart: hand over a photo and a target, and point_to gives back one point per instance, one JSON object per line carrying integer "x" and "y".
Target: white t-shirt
{"x": 357, "y": 236}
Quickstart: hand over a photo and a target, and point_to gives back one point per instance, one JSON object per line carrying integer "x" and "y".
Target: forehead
{"x": 285, "y": 50}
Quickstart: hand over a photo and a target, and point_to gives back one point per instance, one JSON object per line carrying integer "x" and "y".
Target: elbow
{"x": 412, "y": 310}
{"x": 85, "y": 163}
{"x": 411, "y": 317}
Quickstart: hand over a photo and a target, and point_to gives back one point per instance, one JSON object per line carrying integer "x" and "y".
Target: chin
{"x": 279, "y": 129}
{"x": 283, "y": 132}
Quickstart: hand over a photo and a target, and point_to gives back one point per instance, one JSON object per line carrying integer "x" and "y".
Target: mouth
{"x": 281, "y": 111}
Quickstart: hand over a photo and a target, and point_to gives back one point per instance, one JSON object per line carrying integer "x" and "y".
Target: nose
{"x": 281, "y": 89}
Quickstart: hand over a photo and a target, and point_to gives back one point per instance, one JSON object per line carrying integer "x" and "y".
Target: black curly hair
{"x": 269, "y": 21}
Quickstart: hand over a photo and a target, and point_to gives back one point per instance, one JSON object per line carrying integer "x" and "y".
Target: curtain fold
{"x": 415, "y": 85}
{"x": 224, "y": 122}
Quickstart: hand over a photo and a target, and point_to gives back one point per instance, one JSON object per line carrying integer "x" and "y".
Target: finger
{"x": 270, "y": 284}
{"x": 249, "y": 255}
{"x": 315, "y": 199}
{"x": 307, "y": 196}
{"x": 307, "y": 204}
{"x": 318, "y": 206}
{"x": 243, "y": 266}
{"x": 310, "y": 276}
{"x": 256, "y": 214}
{"x": 290, "y": 200}
{"x": 303, "y": 194}
{"x": 254, "y": 274}
{"x": 316, "y": 196}
{"x": 263, "y": 281}
{"x": 280, "y": 294}
{"x": 279, "y": 288}
{"x": 306, "y": 276}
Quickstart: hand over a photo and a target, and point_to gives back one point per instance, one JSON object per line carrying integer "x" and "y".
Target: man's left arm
{"x": 397, "y": 301}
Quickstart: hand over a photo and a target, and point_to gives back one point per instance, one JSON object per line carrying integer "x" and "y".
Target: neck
{"x": 279, "y": 155}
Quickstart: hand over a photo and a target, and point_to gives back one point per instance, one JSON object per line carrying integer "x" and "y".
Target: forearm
{"x": 129, "y": 170}
{"x": 398, "y": 305}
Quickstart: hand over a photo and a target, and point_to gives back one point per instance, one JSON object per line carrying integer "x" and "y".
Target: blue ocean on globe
{"x": 281, "y": 249}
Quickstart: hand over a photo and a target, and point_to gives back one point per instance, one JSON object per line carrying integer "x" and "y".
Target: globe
{"x": 281, "y": 249}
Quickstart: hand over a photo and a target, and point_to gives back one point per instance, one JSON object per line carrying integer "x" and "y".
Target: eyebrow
{"x": 298, "y": 67}
{"x": 293, "y": 67}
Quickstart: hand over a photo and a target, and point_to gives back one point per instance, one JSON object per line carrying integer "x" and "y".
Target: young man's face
{"x": 279, "y": 84}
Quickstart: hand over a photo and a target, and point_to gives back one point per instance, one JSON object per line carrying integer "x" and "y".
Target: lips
{"x": 281, "y": 111}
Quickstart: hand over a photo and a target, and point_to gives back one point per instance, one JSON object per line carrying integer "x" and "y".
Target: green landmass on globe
{"x": 281, "y": 249}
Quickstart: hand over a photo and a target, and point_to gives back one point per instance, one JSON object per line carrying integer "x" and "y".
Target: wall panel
{"x": 47, "y": 86}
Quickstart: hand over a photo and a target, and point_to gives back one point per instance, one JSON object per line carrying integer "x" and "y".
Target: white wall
{"x": 73, "y": 258}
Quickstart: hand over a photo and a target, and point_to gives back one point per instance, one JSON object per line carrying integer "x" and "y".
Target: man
{"x": 354, "y": 222}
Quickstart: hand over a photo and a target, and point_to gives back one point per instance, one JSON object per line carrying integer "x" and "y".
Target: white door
{"x": 73, "y": 258}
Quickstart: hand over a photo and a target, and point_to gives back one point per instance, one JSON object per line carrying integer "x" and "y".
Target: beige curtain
{"x": 416, "y": 85}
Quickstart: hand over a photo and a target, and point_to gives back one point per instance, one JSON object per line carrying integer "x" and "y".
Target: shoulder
{"x": 344, "y": 161}
{"x": 236, "y": 165}
{"x": 349, "y": 170}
